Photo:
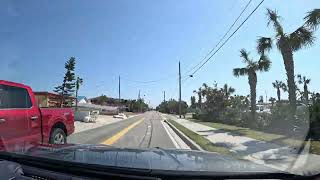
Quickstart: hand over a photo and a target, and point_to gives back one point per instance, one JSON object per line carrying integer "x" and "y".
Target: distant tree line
{"x": 135, "y": 105}
{"x": 172, "y": 107}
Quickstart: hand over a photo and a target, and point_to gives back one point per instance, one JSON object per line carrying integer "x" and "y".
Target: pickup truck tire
{"x": 58, "y": 136}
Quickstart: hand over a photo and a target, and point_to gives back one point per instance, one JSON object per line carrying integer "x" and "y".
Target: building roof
{"x": 81, "y": 97}
{"x": 45, "y": 93}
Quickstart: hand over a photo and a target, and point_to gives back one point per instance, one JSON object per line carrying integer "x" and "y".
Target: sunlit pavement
{"x": 143, "y": 131}
{"x": 272, "y": 155}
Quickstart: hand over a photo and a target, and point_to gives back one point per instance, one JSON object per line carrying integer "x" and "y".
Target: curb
{"x": 184, "y": 138}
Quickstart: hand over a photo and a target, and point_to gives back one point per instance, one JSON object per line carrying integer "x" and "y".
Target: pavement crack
{"x": 151, "y": 121}
{"x": 146, "y": 140}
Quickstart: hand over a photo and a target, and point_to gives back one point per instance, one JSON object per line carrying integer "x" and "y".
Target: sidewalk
{"x": 273, "y": 155}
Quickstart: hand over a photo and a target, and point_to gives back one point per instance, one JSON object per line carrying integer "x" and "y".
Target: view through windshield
{"x": 172, "y": 85}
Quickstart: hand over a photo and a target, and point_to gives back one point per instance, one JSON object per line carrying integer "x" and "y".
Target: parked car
{"x": 120, "y": 116}
{"x": 22, "y": 121}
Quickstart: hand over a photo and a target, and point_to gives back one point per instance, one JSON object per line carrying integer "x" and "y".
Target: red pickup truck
{"x": 22, "y": 121}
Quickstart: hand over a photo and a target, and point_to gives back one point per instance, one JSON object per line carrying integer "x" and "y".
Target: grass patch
{"x": 262, "y": 136}
{"x": 130, "y": 113}
{"x": 204, "y": 143}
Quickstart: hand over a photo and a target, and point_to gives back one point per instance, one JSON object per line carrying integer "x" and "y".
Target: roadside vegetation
{"x": 274, "y": 119}
{"x": 130, "y": 105}
{"x": 172, "y": 107}
{"x": 204, "y": 143}
{"x": 263, "y": 136}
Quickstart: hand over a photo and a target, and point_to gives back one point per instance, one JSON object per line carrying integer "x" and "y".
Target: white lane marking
{"x": 169, "y": 134}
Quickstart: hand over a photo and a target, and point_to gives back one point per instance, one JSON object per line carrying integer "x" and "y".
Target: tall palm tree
{"x": 288, "y": 43}
{"x": 79, "y": 82}
{"x": 262, "y": 65}
{"x": 204, "y": 93}
{"x": 279, "y": 85}
{"x": 199, "y": 92}
{"x": 305, "y": 81}
{"x": 193, "y": 101}
{"x": 228, "y": 90}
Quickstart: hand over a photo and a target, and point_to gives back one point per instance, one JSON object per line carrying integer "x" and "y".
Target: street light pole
{"x": 119, "y": 97}
{"x": 179, "y": 91}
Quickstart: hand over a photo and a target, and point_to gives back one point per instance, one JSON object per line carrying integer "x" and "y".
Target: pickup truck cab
{"x": 22, "y": 121}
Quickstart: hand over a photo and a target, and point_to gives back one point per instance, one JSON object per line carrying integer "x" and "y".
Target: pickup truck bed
{"x": 61, "y": 117}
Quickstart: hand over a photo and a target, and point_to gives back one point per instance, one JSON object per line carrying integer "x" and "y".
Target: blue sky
{"x": 143, "y": 41}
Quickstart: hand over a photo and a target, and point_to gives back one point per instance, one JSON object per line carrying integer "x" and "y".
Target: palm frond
{"x": 273, "y": 18}
{"x": 225, "y": 87}
{"x": 240, "y": 72}
{"x": 264, "y": 63}
{"x": 275, "y": 85}
{"x": 299, "y": 77}
{"x": 284, "y": 86}
{"x": 245, "y": 55}
{"x": 204, "y": 85}
{"x": 307, "y": 81}
{"x": 232, "y": 90}
{"x": 313, "y": 18}
{"x": 264, "y": 45}
{"x": 300, "y": 38}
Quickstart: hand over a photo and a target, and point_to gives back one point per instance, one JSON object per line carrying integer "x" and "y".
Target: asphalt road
{"x": 143, "y": 131}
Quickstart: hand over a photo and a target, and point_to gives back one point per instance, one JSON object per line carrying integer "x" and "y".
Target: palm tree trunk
{"x": 200, "y": 100}
{"x": 252, "y": 77}
{"x": 77, "y": 99}
{"x": 306, "y": 95}
{"x": 287, "y": 56}
{"x": 278, "y": 94}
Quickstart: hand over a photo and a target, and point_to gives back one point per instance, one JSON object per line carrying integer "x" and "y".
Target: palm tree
{"x": 272, "y": 100}
{"x": 279, "y": 85}
{"x": 262, "y": 65}
{"x": 193, "y": 101}
{"x": 288, "y": 43}
{"x": 305, "y": 81}
{"x": 79, "y": 82}
{"x": 228, "y": 90}
{"x": 199, "y": 92}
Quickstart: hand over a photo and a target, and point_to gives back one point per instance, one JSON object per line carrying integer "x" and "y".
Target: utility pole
{"x": 164, "y": 96}
{"x": 179, "y": 91}
{"x": 266, "y": 95}
{"x": 119, "y": 97}
{"x": 139, "y": 99}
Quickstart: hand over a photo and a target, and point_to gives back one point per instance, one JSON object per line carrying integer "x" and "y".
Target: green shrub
{"x": 315, "y": 120}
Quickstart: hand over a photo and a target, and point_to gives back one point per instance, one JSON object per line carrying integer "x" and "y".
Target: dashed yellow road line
{"x": 121, "y": 133}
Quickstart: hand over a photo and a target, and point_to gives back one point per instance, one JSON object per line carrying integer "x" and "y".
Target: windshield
{"x": 228, "y": 86}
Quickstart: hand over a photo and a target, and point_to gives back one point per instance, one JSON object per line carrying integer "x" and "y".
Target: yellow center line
{"x": 121, "y": 133}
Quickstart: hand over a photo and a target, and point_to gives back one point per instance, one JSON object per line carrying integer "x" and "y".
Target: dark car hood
{"x": 148, "y": 159}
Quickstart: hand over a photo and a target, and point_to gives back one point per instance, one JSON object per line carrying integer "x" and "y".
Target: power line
{"x": 229, "y": 37}
{"x": 235, "y": 21}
